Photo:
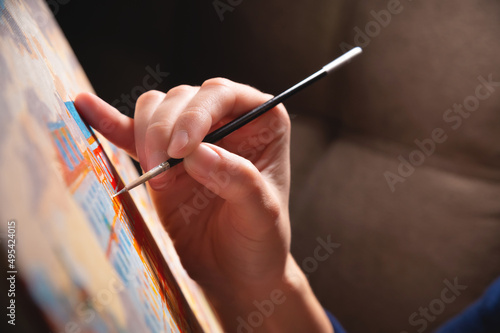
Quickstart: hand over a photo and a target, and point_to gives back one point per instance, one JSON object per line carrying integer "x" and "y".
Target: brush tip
{"x": 118, "y": 193}
{"x": 343, "y": 59}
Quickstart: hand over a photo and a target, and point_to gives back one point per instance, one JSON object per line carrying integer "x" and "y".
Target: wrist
{"x": 286, "y": 304}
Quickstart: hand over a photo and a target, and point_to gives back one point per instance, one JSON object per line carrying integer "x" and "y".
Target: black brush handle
{"x": 244, "y": 119}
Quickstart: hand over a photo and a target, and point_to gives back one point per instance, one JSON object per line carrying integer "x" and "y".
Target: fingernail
{"x": 179, "y": 140}
{"x": 203, "y": 161}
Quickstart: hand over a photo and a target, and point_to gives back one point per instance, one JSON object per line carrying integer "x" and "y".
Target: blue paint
{"x": 56, "y": 125}
{"x": 71, "y": 150}
{"x": 72, "y": 110}
{"x": 63, "y": 154}
{"x": 78, "y": 152}
{"x": 72, "y": 155}
{"x": 2, "y": 8}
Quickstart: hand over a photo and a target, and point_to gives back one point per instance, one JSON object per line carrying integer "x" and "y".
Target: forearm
{"x": 287, "y": 305}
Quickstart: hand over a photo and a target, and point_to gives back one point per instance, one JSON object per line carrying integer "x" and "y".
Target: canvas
{"x": 89, "y": 262}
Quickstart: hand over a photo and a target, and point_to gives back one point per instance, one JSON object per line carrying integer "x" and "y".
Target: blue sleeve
{"x": 483, "y": 316}
{"x": 335, "y": 323}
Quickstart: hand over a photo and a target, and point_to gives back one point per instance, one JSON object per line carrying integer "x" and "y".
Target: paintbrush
{"x": 232, "y": 126}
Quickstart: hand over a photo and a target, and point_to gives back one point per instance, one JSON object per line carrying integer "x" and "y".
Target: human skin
{"x": 237, "y": 246}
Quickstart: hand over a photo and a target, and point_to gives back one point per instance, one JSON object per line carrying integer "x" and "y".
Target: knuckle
{"x": 221, "y": 93}
{"x": 180, "y": 91}
{"x": 149, "y": 97}
{"x": 218, "y": 82}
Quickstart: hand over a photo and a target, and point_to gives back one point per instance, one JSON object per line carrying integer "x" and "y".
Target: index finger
{"x": 107, "y": 120}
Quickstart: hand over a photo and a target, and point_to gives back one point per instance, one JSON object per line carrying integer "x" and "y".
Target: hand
{"x": 226, "y": 206}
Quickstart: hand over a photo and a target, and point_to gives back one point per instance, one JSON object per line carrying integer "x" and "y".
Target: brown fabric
{"x": 396, "y": 248}
{"x": 443, "y": 221}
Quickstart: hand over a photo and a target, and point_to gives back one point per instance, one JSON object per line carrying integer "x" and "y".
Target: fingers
{"x": 116, "y": 127}
{"x": 216, "y": 99}
{"x": 174, "y": 124}
{"x": 186, "y": 116}
{"x": 236, "y": 180}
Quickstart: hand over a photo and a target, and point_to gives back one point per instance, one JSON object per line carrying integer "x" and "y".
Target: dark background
{"x": 256, "y": 43}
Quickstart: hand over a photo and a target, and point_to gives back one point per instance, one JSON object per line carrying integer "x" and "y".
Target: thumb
{"x": 237, "y": 181}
